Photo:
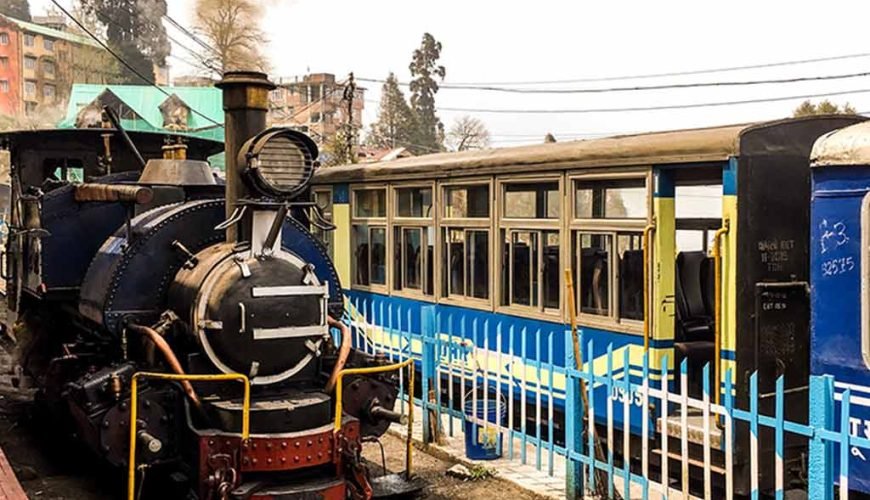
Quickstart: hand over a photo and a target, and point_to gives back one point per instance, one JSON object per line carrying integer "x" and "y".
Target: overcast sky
{"x": 547, "y": 40}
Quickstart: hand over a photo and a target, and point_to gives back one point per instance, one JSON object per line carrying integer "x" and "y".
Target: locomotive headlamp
{"x": 279, "y": 162}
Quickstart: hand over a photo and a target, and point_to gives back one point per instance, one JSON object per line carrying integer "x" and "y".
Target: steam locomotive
{"x": 159, "y": 267}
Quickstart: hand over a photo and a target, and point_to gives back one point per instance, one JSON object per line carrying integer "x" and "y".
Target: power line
{"x": 648, "y": 108}
{"x": 674, "y": 73}
{"x": 107, "y": 19}
{"x": 641, "y": 88}
{"x": 124, "y": 62}
{"x": 191, "y": 35}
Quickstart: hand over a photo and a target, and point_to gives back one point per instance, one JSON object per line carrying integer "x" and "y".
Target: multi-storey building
{"x": 39, "y": 63}
{"x": 315, "y": 105}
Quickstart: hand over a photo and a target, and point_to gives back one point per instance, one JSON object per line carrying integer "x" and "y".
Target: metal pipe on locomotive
{"x": 172, "y": 273}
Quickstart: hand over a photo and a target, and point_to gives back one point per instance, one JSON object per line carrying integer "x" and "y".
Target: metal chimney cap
{"x": 255, "y": 78}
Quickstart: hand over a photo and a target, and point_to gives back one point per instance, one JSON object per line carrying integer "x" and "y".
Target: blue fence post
{"x": 427, "y": 331}
{"x": 821, "y": 459}
{"x": 573, "y": 423}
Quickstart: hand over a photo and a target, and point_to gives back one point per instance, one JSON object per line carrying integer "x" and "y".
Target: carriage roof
{"x": 679, "y": 146}
{"x": 846, "y": 146}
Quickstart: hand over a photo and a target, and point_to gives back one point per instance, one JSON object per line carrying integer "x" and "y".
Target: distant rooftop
{"x": 52, "y": 33}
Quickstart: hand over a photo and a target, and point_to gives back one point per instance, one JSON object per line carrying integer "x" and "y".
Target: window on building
{"x": 607, "y": 255}
{"x": 48, "y": 91}
{"x": 369, "y": 237}
{"x": 611, "y": 199}
{"x": 322, "y": 198}
{"x": 532, "y": 200}
{"x": 48, "y": 43}
{"x": 29, "y": 62}
{"x": 29, "y": 88}
{"x": 465, "y": 242}
{"x": 4, "y": 62}
{"x": 48, "y": 68}
{"x": 413, "y": 240}
{"x": 29, "y": 40}
{"x": 4, "y": 86}
{"x": 4, "y": 38}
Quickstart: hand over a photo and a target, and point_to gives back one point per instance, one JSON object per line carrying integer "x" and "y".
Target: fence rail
{"x": 535, "y": 399}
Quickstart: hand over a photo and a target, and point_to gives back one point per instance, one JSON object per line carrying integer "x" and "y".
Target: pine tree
{"x": 429, "y": 133}
{"x": 18, "y": 9}
{"x": 134, "y": 29}
{"x": 395, "y": 124}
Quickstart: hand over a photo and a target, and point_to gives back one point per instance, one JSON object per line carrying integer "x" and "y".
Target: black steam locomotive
{"x": 159, "y": 267}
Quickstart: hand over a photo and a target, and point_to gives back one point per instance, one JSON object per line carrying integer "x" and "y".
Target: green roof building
{"x": 185, "y": 111}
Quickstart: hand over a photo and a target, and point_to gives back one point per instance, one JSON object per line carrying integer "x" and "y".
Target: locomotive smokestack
{"x": 246, "y": 101}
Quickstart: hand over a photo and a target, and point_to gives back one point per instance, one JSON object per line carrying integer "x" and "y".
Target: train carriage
{"x": 487, "y": 234}
{"x": 840, "y": 274}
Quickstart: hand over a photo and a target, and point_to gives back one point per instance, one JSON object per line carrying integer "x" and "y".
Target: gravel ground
{"x": 52, "y": 468}
{"x": 432, "y": 472}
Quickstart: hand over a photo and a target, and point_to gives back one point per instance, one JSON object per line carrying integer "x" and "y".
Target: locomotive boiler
{"x": 163, "y": 269}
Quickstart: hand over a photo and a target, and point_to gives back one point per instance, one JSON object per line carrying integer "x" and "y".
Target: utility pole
{"x": 349, "y": 93}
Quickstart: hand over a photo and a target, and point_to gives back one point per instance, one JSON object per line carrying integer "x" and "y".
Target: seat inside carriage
{"x": 698, "y": 210}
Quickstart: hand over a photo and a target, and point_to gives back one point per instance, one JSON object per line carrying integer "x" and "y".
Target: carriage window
{"x": 530, "y": 271}
{"x": 413, "y": 241}
{"x": 539, "y": 200}
{"x": 602, "y": 284}
{"x": 462, "y": 202}
{"x": 370, "y": 203}
{"x": 629, "y": 251}
{"x": 414, "y": 202}
{"x": 370, "y": 245}
{"x": 465, "y": 257}
{"x": 594, "y": 266}
{"x": 693, "y": 202}
{"x": 611, "y": 199}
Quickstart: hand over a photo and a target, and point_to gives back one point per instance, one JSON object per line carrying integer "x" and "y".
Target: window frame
{"x": 614, "y": 228}
{"x": 48, "y": 44}
{"x": 369, "y": 223}
{"x": 425, "y": 224}
{"x": 46, "y": 64}
{"x": 4, "y": 38}
{"x": 505, "y": 225}
{"x": 31, "y": 38}
{"x": 30, "y": 63}
{"x": 4, "y": 86}
{"x": 329, "y": 216}
{"x": 466, "y": 224}
{"x": 865, "y": 280}
{"x": 35, "y": 88}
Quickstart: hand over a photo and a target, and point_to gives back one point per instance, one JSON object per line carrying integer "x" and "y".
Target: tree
{"x": 18, "y": 9}
{"x": 233, "y": 38}
{"x": 429, "y": 132}
{"x": 134, "y": 29}
{"x": 395, "y": 124}
{"x": 468, "y": 133}
{"x": 826, "y": 107}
